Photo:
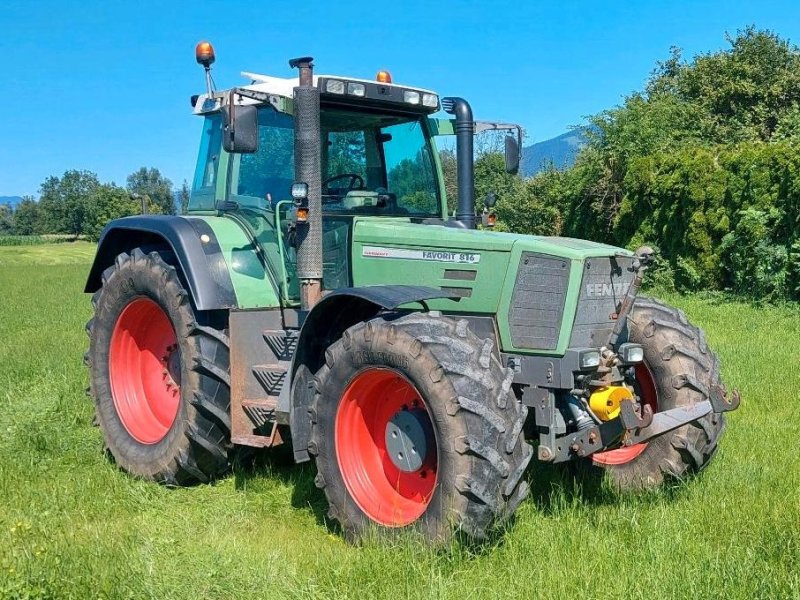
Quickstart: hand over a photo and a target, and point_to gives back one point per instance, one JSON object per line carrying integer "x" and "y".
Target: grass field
{"x": 72, "y": 525}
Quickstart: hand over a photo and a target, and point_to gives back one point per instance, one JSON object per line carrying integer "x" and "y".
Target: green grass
{"x": 34, "y": 240}
{"x": 51, "y": 255}
{"x": 72, "y": 525}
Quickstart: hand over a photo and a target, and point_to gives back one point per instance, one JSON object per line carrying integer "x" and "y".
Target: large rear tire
{"x": 460, "y": 456}
{"x": 679, "y": 370}
{"x": 159, "y": 374}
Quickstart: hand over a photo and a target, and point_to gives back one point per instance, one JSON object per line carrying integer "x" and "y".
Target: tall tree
{"x": 108, "y": 202}
{"x": 6, "y": 219}
{"x": 151, "y": 183}
{"x": 64, "y": 201}
{"x": 184, "y": 197}
{"x": 28, "y": 217}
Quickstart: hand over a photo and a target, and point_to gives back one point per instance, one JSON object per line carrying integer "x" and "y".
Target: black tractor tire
{"x": 684, "y": 371}
{"x": 476, "y": 418}
{"x": 195, "y": 446}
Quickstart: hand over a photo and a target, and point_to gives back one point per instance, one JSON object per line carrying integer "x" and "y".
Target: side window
{"x": 266, "y": 177}
{"x": 409, "y": 168}
{"x": 207, "y": 169}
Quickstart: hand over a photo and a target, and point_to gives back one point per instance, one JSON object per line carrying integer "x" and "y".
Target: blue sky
{"x": 105, "y": 86}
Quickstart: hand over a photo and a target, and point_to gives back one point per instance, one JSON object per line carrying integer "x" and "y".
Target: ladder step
{"x": 260, "y": 411}
{"x": 271, "y": 377}
{"x": 282, "y": 343}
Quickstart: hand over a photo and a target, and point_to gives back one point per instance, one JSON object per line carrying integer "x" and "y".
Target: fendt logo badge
{"x": 432, "y": 255}
{"x": 604, "y": 290}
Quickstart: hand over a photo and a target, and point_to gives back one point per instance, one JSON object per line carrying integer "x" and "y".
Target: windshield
{"x": 371, "y": 164}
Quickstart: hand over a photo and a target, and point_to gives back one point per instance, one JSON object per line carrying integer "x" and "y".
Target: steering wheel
{"x": 353, "y": 177}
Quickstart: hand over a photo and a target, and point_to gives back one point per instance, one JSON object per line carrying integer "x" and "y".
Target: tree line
{"x": 78, "y": 204}
{"x": 703, "y": 163}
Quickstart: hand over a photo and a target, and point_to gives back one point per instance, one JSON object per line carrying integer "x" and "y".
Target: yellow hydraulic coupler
{"x": 605, "y": 401}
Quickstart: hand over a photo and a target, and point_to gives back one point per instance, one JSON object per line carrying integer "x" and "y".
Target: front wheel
{"x": 679, "y": 369}
{"x": 414, "y": 425}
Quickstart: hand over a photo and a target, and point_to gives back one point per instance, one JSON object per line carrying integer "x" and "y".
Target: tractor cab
{"x": 378, "y": 159}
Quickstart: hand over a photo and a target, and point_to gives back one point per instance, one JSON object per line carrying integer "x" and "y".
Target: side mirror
{"x": 512, "y": 155}
{"x": 240, "y": 129}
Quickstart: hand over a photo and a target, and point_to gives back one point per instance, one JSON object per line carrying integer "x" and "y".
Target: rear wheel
{"x": 679, "y": 370}
{"x": 414, "y": 426}
{"x": 158, "y": 374}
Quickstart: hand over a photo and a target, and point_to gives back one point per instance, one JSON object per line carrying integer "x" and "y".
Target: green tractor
{"x": 319, "y": 294}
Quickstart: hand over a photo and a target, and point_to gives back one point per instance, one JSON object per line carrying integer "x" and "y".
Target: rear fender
{"x": 193, "y": 243}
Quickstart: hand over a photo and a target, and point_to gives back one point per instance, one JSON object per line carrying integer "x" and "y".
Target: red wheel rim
{"x": 647, "y": 392}
{"x": 372, "y": 403}
{"x": 144, "y": 370}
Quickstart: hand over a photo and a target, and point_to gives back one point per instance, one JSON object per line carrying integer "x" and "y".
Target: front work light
{"x": 300, "y": 190}
{"x": 356, "y": 89}
{"x": 631, "y": 353}
{"x": 589, "y": 359}
{"x": 430, "y": 100}
{"x": 411, "y": 97}
{"x": 334, "y": 86}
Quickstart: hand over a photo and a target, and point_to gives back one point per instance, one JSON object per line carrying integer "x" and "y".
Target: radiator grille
{"x": 537, "y": 303}
{"x": 603, "y": 287}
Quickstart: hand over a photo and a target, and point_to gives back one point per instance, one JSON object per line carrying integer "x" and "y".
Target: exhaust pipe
{"x": 308, "y": 169}
{"x": 465, "y": 132}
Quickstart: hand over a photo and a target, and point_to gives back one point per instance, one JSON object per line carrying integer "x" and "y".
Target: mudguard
{"x": 193, "y": 243}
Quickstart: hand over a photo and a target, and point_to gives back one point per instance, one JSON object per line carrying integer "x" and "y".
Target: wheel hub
{"x": 144, "y": 369}
{"x": 407, "y": 439}
{"x": 386, "y": 447}
{"x": 172, "y": 368}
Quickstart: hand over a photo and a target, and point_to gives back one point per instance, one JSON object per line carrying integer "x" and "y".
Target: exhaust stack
{"x": 308, "y": 169}
{"x": 465, "y": 132}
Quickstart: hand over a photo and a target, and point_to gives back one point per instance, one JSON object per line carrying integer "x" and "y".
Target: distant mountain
{"x": 12, "y": 200}
{"x": 559, "y": 151}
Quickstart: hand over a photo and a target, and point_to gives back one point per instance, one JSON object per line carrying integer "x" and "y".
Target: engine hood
{"x": 403, "y": 233}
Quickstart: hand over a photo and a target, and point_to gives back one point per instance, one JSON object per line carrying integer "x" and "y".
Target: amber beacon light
{"x": 204, "y": 53}
{"x": 384, "y": 77}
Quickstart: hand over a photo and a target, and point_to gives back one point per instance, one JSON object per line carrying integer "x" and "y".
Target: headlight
{"x": 300, "y": 190}
{"x": 631, "y": 353}
{"x": 430, "y": 100}
{"x": 589, "y": 359}
{"x": 411, "y": 97}
{"x": 334, "y": 86}
{"x": 356, "y": 89}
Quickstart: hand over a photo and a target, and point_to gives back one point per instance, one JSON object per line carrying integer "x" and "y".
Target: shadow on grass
{"x": 278, "y": 463}
{"x": 555, "y": 487}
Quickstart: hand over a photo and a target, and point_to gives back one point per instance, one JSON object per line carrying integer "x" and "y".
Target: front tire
{"x": 679, "y": 370}
{"x": 431, "y": 377}
{"x": 158, "y": 374}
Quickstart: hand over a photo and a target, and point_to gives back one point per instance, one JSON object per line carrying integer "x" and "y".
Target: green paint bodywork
{"x": 263, "y": 273}
{"x": 496, "y": 270}
{"x": 251, "y": 282}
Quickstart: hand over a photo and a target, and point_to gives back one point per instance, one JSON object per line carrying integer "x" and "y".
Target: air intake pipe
{"x": 465, "y": 132}
{"x": 308, "y": 170}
